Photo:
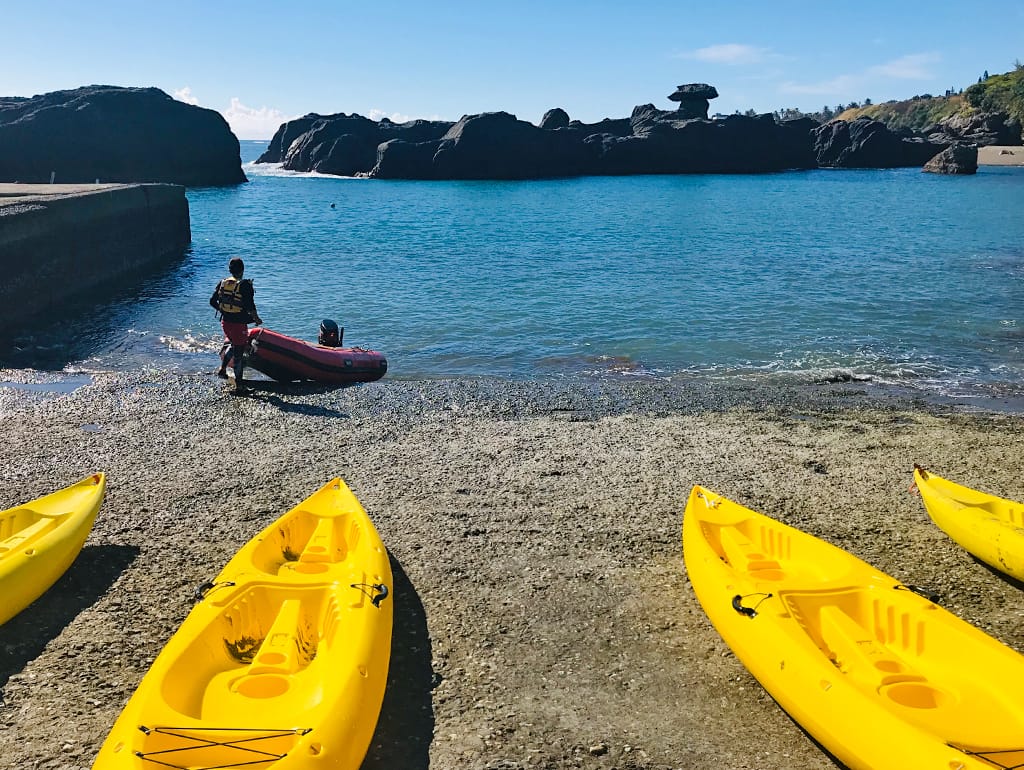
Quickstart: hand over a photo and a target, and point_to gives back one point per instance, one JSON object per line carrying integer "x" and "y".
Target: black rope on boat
{"x": 927, "y": 593}
{"x": 200, "y": 591}
{"x": 988, "y": 756}
{"x": 750, "y": 612}
{"x": 203, "y": 743}
{"x": 375, "y": 598}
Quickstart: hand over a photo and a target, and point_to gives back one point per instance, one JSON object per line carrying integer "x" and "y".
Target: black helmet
{"x": 330, "y": 334}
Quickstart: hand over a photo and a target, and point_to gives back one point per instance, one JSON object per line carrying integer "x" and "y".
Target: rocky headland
{"x": 498, "y": 145}
{"x": 113, "y": 134}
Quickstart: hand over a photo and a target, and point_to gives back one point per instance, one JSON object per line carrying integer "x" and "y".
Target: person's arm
{"x": 215, "y": 298}
{"x": 250, "y": 298}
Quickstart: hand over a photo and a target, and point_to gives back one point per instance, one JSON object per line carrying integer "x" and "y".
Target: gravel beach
{"x": 543, "y": 617}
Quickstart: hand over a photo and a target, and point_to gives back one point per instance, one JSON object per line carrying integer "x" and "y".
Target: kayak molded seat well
{"x": 307, "y": 544}
{"x": 263, "y": 644}
{"x": 19, "y": 527}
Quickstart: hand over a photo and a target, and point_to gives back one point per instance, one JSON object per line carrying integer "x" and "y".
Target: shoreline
{"x": 680, "y": 391}
{"x": 542, "y": 612}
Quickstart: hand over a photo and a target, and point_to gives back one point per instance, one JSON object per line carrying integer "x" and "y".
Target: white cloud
{"x": 911, "y": 67}
{"x": 251, "y": 123}
{"x": 855, "y": 85}
{"x": 185, "y": 95}
{"x": 730, "y": 53}
{"x": 396, "y": 117}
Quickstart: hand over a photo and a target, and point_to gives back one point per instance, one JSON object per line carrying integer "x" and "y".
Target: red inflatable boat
{"x": 287, "y": 359}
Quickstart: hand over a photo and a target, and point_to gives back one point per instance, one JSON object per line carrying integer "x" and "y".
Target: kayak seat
{"x": 744, "y": 556}
{"x": 24, "y": 535}
{"x": 858, "y": 653}
{"x": 326, "y": 544}
{"x": 287, "y": 648}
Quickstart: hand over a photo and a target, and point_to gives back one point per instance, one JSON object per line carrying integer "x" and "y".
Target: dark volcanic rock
{"x": 982, "y": 129}
{"x": 662, "y": 143}
{"x": 288, "y": 133}
{"x": 346, "y": 145}
{"x": 556, "y": 118}
{"x": 115, "y": 134}
{"x": 497, "y": 145}
{"x": 958, "y": 158}
{"x": 494, "y": 145}
{"x": 866, "y": 143}
{"x": 693, "y": 99}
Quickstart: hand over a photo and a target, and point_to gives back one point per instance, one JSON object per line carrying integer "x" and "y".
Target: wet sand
{"x": 543, "y": 617}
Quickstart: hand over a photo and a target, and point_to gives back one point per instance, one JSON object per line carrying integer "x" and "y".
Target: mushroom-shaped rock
{"x": 693, "y": 99}
{"x": 694, "y": 91}
{"x": 556, "y": 118}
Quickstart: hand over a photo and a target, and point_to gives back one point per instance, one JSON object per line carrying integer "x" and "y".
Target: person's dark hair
{"x": 236, "y": 266}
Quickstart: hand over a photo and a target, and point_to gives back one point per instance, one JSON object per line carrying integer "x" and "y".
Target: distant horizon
{"x": 452, "y": 58}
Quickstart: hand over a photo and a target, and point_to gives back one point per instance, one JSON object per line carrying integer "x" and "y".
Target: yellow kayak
{"x": 40, "y": 539}
{"x": 880, "y": 676}
{"x": 987, "y": 526}
{"x": 282, "y": 663}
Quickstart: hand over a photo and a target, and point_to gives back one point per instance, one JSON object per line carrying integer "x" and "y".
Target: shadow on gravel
{"x": 1006, "y": 578}
{"x": 24, "y": 636}
{"x": 268, "y": 390}
{"x": 406, "y": 724}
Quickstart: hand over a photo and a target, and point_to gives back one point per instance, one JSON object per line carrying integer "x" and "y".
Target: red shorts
{"x": 236, "y": 333}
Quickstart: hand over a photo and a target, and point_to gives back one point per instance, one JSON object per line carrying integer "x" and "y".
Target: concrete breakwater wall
{"x": 61, "y": 243}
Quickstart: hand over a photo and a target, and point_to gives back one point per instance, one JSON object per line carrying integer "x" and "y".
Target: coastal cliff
{"x": 112, "y": 134}
{"x": 64, "y": 243}
{"x": 497, "y": 145}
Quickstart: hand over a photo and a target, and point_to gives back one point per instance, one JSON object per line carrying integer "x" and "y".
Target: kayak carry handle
{"x": 737, "y": 604}
{"x": 200, "y": 591}
{"x": 750, "y": 612}
{"x": 381, "y": 594}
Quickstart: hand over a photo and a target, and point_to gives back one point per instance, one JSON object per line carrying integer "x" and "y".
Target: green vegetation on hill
{"x": 998, "y": 93}
{"x": 916, "y": 114}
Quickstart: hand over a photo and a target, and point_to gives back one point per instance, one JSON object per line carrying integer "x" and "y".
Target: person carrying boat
{"x": 234, "y": 298}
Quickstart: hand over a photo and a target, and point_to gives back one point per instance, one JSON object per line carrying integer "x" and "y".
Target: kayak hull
{"x": 41, "y": 539}
{"x": 990, "y": 527}
{"x": 880, "y": 676}
{"x": 283, "y": 662}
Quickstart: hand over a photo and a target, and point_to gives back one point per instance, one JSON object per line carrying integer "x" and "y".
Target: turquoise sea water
{"x": 893, "y": 276}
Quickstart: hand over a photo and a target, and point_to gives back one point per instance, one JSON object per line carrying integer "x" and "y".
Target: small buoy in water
{"x": 332, "y": 205}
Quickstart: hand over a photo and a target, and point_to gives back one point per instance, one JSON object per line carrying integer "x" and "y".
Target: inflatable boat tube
{"x": 287, "y": 359}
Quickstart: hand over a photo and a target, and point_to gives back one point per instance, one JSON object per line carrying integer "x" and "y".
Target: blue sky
{"x": 261, "y": 63}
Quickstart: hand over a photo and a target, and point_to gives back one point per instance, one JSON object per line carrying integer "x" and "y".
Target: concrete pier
{"x": 63, "y": 243}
